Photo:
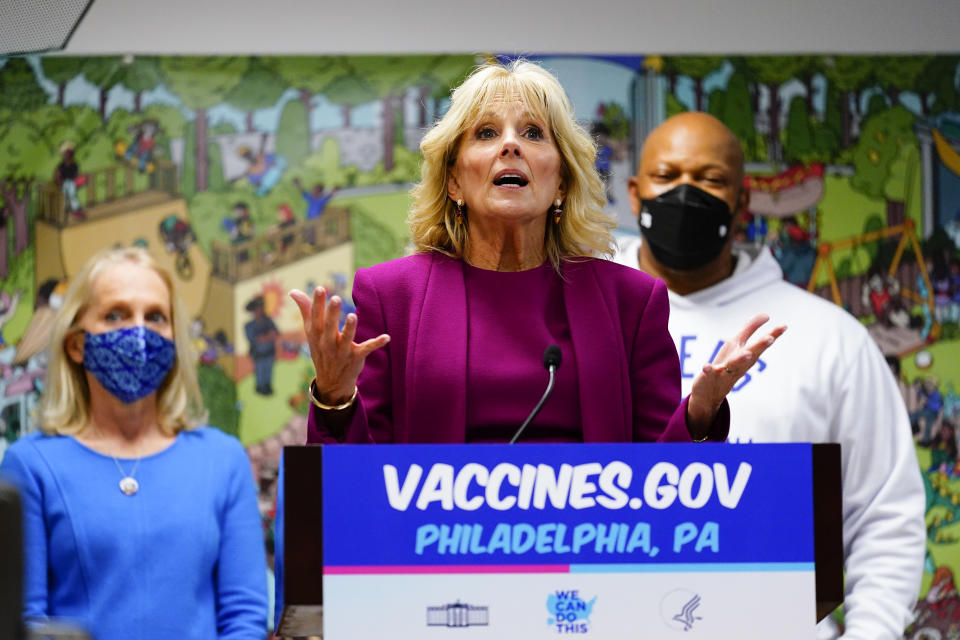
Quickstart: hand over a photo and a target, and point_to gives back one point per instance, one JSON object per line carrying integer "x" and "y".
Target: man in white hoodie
{"x": 826, "y": 381}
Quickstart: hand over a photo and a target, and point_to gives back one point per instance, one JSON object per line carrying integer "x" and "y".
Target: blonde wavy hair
{"x": 584, "y": 228}
{"x": 65, "y": 406}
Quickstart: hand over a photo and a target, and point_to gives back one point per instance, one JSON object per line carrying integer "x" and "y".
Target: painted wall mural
{"x": 249, "y": 176}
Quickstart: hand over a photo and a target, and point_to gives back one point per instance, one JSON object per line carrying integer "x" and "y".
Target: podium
{"x": 528, "y": 541}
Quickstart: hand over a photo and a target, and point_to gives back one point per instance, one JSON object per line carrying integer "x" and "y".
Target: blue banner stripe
{"x": 557, "y": 504}
{"x": 721, "y": 567}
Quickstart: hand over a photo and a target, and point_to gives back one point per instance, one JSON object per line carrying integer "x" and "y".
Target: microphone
{"x": 551, "y": 362}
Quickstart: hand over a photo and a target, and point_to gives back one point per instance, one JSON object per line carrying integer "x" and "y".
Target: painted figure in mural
{"x": 138, "y": 521}
{"x": 604, "y": 161}
{"x": 938, "y": 614}
{"x": 240, "y": 227}
{"x": 923, "y": 292}
{"x": 827, "y": 383}
{"x": 239, "y": 224}
{"x": 317, "y": 198}
{"x": 508, "y": 215}
{"x": 177, "y": 236}
{"x": 262, "y": 335}
{"x": 141, "y": 150}
{"x": 756, "y": 229}
{"x": 264, "y": 169}
{"x": 881, "y": 294}
{"x": 794, "y": 251}
{"x": 285, "y": 220}
{"x": 942, "y": 284}
{"x": 954, "y": 313}
{"x": 337, "y": 286}
{"x": 210, "y": 348}
{"x": 67, "y": 177}
{"x": 943, "y": 450}
{"x": 176, "y": 233}
{"x": 285, "y": 216}
{"x": 925, "y": 421}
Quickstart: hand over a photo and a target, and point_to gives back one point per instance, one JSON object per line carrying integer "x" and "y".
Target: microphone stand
{"x": 533, "y": 414}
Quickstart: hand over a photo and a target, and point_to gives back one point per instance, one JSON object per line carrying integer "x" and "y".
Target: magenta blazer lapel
{"x": 438, "y": 356}
{"x": 601, "y": 363}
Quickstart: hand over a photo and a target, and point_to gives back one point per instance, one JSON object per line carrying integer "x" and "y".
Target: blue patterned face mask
{"x": 130, "y": 363}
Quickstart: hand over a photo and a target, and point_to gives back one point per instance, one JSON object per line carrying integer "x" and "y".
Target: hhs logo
{"x": 680, "y": 609}
{"x": 569, "y": 613}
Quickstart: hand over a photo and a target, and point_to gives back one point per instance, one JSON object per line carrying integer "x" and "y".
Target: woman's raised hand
{"x": 717, "y": 378}
{"x": 337, "y": 359}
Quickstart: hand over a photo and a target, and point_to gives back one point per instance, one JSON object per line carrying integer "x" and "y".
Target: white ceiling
{"x": 531, "y": 26}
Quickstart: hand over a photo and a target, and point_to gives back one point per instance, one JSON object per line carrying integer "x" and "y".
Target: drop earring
{"x": 460, "y": 211}
{"x": 557, "y": 211}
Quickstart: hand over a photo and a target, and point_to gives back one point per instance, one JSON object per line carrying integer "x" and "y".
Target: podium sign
{"x": 545, "y": 541}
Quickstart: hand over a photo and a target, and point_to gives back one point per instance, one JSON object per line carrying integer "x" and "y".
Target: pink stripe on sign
{"x": 437, "y": 569}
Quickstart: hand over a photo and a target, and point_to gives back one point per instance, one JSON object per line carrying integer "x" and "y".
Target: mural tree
{"x": 139, "y": 74}
{"x": 201, "y": 83}
{"x": 740, "y": 67}
{"x": 715, "y": 103}
{"x": 441, "y": 78}
{"x": 738, "y": 112}
{"x": 809, "y": 68}
{"x": 885, "y": 157}
{"x": 798, "y": 143}
{"x": 809, "y": 138}
{"x": 696, "y": 68}
{"x": 898, "y": 73}
{"x": 309, "y": 75}
{"x": 60, "y": 70}
{"x": 23, "y": 153}
{"x": 293, "y": 140}
{"x": 348, "y": 92}
{"x": 19, "y": 89}
{"x": 665, "y": 66}
{"x": 832, "y": 121}
{"x": 390, "y": 77}
{"x": 936, "y": 85}
{"x": 772, "y": 72}
{"x": 876, "y": 103}
{"x": 79, "y": 124}
{"x": 259, "y": 88}
{"x": 103, "y": 72}
{"x": 848, "y": 75}
{"x": 826, "y": 132}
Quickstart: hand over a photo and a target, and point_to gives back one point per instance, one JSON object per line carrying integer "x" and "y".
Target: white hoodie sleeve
{"x": 884, "y": 532}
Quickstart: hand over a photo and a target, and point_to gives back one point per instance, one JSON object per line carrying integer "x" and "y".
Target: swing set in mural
{"x": 881, "y": 290}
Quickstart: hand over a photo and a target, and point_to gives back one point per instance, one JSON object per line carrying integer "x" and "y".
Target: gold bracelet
{"x": 312, "y": 390}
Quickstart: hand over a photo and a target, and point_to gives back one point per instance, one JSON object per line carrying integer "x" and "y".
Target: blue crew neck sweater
{"x": 181, "y": 559}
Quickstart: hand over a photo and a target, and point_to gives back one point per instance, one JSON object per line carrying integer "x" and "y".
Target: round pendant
{"x": 129, "y": 486}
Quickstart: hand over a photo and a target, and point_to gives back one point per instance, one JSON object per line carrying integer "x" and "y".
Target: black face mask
{"x": 685, "y": 227}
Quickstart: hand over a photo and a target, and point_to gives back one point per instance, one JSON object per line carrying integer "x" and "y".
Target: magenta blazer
{"x": 413, "y": 390}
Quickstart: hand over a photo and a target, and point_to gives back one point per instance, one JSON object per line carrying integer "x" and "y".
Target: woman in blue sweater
{"x": 138, "y": 523}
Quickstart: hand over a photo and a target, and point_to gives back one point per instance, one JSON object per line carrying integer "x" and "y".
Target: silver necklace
{"x": 128, "y": 484}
